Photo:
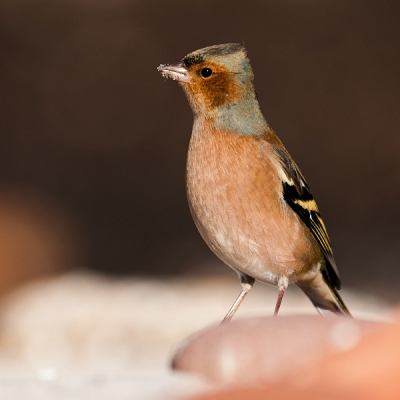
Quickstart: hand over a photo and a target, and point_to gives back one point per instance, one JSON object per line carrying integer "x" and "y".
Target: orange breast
{"x": 235, "y": 196}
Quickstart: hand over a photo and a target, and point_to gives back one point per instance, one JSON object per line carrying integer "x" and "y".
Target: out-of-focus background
{"x": 93, "y": 141}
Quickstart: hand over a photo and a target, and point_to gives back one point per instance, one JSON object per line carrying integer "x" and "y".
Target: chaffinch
{"x": 247, "y": 196}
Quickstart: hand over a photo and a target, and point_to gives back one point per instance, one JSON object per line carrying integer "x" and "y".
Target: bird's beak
{"x": 176, "y": 71}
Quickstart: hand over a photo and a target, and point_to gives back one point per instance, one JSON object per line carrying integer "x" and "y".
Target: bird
{"x": 248, "y": 198}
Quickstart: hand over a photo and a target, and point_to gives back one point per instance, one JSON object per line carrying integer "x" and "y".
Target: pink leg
{"x": 282, "y": 285}
{"x": 235, "y": 306}
{"x": 247, "y": 284}
{"x": 279, "y": 301}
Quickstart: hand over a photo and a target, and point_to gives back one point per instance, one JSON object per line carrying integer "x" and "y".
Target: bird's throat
{"x": 243, "y": 118}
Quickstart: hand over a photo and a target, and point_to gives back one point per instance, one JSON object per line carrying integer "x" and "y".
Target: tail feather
{"x": 342, "y": 308}
{"x": 323, "y": 295}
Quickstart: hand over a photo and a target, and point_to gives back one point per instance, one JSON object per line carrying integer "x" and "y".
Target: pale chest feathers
{"x": 235, "y": 195}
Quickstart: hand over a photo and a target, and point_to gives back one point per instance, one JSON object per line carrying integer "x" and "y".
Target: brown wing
{"x": 297, "y": 195}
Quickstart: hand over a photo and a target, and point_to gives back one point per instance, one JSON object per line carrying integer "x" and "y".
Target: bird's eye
{"x": 206, "y": 72}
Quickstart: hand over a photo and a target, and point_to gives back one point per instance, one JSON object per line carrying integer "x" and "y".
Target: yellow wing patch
{"x": 309, "y": 205}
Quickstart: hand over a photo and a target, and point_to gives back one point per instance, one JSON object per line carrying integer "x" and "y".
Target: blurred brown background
{"x": 93, "y": 143}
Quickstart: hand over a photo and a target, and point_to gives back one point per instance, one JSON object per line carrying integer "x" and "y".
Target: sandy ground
{"x": 84, "y": 336}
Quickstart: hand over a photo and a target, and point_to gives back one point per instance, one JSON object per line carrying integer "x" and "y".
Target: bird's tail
{"x": 323, "y": 295}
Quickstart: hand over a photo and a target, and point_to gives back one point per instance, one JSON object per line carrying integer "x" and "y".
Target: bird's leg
{"x": 283, "y": 283}
{"x": 279, "y": 301}
{"x": 236, "y": 304}
{"x": 247, "y": 283}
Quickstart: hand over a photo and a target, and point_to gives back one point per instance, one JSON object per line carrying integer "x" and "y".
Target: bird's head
{"x": 214, "y": 77}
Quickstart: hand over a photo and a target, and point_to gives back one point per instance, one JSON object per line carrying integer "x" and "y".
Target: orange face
{"x": 211, "y": 85}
